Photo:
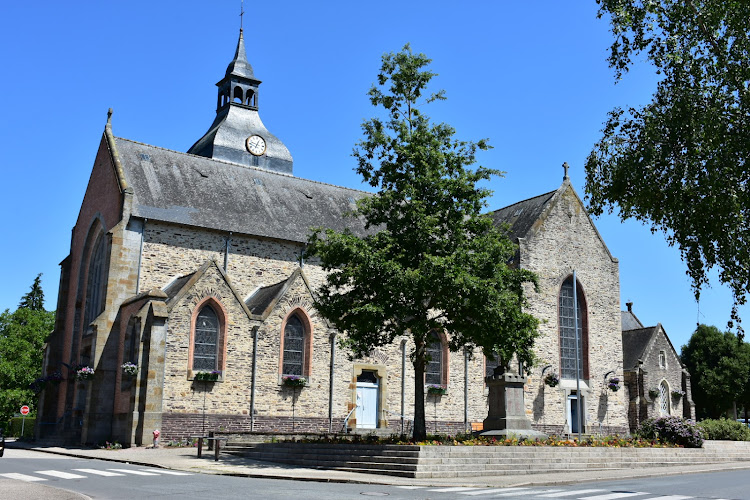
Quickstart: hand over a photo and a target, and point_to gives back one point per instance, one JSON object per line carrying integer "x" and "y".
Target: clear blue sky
{"x": 530, "y": 76}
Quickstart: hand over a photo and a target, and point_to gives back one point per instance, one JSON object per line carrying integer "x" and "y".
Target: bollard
{"x": 156, "y": 438}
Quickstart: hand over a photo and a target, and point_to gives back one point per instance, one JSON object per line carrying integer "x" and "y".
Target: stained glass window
{"x": 434, "y": 368}
{"x": 294, "y": 347}
{"x": 568, "y": 332}
{"x": 206, "y": 340}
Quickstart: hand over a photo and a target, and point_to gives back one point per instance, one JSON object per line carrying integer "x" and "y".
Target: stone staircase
{"x": 464, "y": 461}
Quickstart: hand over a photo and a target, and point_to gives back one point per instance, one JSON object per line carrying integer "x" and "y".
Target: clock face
{"x": 256, "y": 145}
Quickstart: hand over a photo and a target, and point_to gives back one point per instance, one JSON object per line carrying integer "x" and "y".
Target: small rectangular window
{"x": 662, "y": 359}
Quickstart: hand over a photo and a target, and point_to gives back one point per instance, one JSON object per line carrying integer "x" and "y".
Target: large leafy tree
{"x": 432, "y": 260}
{"x": 680, "y": 163}
{"x": 718, "y": 365}
{"x": 22, "y": 336}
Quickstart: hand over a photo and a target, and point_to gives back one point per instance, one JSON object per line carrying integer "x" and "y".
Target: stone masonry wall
{"x": 672, "y": 374}
{"x": 563, "y": 241}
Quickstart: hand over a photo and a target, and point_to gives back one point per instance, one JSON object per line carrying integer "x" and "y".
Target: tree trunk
{"x": 420, "y": 428}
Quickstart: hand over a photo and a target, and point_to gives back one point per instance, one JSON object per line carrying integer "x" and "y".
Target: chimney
{"x": 630, "y": 306}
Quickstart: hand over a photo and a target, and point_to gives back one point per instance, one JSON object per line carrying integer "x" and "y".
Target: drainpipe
{"x": 252, "y": 380}
{"x": 403, "y": 382}
{"x": 140, "y": 257}
{"x": 226, "y": 251}
{"x": 330, "y": 382}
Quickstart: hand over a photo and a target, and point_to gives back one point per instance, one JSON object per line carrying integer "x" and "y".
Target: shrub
{"x": 673, "y": 430}
{"x": 724, "y": 429}
{"x": 16, "y": 423}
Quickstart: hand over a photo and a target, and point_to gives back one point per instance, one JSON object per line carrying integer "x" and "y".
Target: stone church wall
{"x": 563, "y": 241}
{"x": 671, "y": 373}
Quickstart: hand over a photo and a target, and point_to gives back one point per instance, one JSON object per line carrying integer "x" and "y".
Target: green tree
{"x": 680, "y": 163}
{"x": 34, "y": 300}
{"x": 22, "y": 336}
{"x": 432, "y": 260}
{"x": 718, "y": 366}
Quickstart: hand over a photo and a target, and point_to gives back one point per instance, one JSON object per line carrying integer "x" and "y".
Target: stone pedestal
{"x": 507, "y": 415}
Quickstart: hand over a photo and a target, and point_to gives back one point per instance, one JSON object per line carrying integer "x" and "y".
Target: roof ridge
{"x": 244, "y": 166}
{"x": 522, "y": 201}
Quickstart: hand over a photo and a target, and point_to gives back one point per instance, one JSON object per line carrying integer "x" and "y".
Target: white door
{"x": 367, "y": 405}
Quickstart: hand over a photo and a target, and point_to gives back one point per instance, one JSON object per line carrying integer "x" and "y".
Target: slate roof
{"x": 262, "y": 298}
{"x": 634, "y": 343}
{"x": 176, "y": 285}
{"x": 187, "y": 189}
{"x": 630, "y": 321}
{"x": 521, "y": 216}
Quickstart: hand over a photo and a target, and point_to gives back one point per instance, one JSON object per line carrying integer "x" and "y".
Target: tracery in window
{"x": 206, "y": 340}
{"x": 294, "y": 347}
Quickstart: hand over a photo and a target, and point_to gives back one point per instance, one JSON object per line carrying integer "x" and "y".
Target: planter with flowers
{"x": 211, "y": 376}
{"x": 293, "y": 381}
{"x": 653, "y": 393}
{"x": 437, "y": 389}
{"x": 84, "y": 373}
{"x": 552, "y": 379}
{"x": 129, "y": 369}
{"x": 613, "y": 384}
{"x": 677, "y": 394}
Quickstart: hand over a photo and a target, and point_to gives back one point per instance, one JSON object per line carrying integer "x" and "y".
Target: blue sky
{"x": 531, "y": 77}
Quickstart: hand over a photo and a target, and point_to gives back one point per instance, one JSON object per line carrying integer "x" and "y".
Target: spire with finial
{"x": 242, "y": 13}
{"x": 566, "y": 167}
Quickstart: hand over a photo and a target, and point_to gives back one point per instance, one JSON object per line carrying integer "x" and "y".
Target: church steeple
{"x": 237, "y": 134}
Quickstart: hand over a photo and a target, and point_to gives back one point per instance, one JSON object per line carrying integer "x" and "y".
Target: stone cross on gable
{"x": 566, "y": 167}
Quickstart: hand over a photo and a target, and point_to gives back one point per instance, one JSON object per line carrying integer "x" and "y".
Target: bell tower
{"x": 237, "y": 134}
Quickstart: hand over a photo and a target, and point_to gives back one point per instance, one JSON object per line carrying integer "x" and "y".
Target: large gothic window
{"x": 206, "y": 340}
{"x": 569, "y": 332}
{"x": 96, "y": 285}
{"x": 294, "y": 347}
{"x": 434, "y": 368}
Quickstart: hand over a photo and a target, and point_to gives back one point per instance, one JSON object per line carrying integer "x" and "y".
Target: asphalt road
{"x": 42, "y": 475}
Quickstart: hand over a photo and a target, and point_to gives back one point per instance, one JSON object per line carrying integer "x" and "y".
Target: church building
{"x": 186, "y": 293}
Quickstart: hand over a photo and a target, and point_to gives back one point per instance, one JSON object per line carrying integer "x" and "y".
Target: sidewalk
{"x": 186, "y": 459}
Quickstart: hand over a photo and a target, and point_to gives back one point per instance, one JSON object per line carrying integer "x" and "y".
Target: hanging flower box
{"x": 552, "y": 379}
{"x": 84, "y": 373}
{"x": 614, "y": 384}
{"x": 130, "y": 369}
{"x": 293, "y": 381}
{"x": 678, "y": 394}
{"x": 211, "y": 376}
{"x": 437, "y": 389}
{"x": 653, "y": 393}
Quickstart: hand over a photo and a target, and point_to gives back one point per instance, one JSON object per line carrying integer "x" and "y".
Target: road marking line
{"x": 611, "y": 496}
{"x": 170, "y": 472}
{"x": 136, "y": 472}
{"x": 526, "y": 492}
{"x": 411, "y": 487}
{"x": 491, "y": 491}
{"x": 454, "y": 489}
{"x": 60, "y": 474}
{"x": 99, "y": 472}
{"x": 669, "y": 497}
{"x": 568, "y": 493}
{"x": 22, "y": 477}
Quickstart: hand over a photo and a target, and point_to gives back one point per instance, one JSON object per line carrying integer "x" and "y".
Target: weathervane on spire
{"x": 242, "y": 12}
{"x": 566, "y": 167}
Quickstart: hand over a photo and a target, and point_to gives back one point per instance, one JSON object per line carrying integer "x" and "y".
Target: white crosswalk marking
{"x": 668, "y": 497}
{"x": 526, "y": 492}
{"x": 60, "y": 474}
{"x": 411, "y": 487}
{"x": 569, "y": 493}
{"x": 612, "y": 496}
{"x": 99, "y": 472}
{"x": 170, "y": 472}
{"x": 490, "y": 491}
{"x": 22, "y": 477}
{"x": 136, "y": 472}
{"x": 454, "y": 489}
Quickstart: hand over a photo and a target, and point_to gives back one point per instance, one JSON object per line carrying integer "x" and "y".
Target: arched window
{"x": 96, "y": 283}
{"x": 250, "y": 98}
{"x": 434, "y": 369}
{"x": 569, "y": 332}
{"x": 206, "y": 340}
{"x": 664, "y": 398}
{"x": 294, "y": 347}
{"x": 238, "y": 94}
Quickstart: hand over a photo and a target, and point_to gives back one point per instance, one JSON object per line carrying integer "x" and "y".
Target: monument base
{"x": 507, "y": 412}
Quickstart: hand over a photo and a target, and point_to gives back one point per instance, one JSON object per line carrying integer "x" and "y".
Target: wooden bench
{"x": 215, "y": 441}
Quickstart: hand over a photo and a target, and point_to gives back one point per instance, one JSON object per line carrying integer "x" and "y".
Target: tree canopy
{"x": 679, "y": 163}
{"x": 22, "y": 336}
{"x": 718, "y": 366}
{"x": 432, "y": 262}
